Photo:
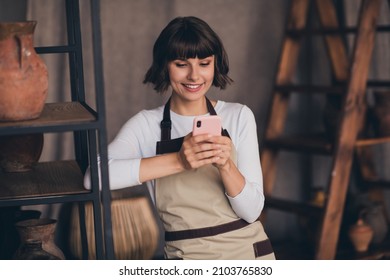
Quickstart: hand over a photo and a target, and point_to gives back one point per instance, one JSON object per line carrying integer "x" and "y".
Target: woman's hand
{"x": 222, "y": 159}
{"x": 200, "y": 150}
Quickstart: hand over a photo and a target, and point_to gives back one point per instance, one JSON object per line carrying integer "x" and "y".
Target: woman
{"x": 207, "y": 189}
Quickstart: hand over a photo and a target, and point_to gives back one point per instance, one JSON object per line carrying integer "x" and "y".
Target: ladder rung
{"x": 372, "y": 141}
{"x": 310, "y": 89}
{"x": 330, "y": 30}
{"x": 300, "y": 208}
{"x": 308, "y": 143}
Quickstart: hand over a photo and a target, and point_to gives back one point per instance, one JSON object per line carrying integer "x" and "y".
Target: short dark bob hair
{"x": 183, "y": 38}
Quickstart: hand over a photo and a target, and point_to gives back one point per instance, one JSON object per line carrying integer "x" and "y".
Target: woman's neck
{"x": 189, "y": 107}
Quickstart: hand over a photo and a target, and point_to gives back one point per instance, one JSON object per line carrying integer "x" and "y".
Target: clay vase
{"x": 19, "y": 153}
{"x": 32, "y": 250}
{"x": 381, "y": 113}
{"x": 23, "y": 74}
{"x": 38, "y": 229}
{"x": 360, "y": 235}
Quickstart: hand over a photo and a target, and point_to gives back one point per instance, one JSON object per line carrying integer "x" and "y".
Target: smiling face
{"x": 184, "y": 39}
{"x": 191, "y": 78}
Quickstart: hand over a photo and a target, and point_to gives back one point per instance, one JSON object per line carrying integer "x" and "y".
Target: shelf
{"x": 54, "y": 117}
{"x": 62, "y": 181}
{"x": 47, "y": 179}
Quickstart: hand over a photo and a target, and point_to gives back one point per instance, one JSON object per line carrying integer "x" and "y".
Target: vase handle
{"x": 20, "y": 42}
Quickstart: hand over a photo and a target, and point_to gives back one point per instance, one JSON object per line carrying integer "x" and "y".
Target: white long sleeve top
{"x": 138, "y": 136}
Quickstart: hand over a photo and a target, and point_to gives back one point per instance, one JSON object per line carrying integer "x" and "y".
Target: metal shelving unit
{"x": 62, "y": 181}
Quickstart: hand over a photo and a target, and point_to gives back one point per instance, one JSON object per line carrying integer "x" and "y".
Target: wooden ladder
{"x": 350, "y": 75}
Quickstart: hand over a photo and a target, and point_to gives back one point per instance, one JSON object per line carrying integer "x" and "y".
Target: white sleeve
{"x": 124, "y": 155}
{"x": 249, "y": 203}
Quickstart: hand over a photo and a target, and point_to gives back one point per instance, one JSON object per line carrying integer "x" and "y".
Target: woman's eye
{"x": 204, "y": 64}
{"x": 181, "y": 64}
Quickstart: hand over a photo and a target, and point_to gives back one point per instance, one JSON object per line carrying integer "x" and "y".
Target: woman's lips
{"x": 193, "y": 87}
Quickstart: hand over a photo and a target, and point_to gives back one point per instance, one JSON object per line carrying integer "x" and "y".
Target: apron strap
{"x": 210, "y": 107}
{"x": 205, "y": 232}
{"x": 166, "y": 123}
{"x": 166, "y": 145}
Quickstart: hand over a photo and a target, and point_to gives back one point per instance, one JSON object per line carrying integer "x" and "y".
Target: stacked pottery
{"x": 41, "y": 230}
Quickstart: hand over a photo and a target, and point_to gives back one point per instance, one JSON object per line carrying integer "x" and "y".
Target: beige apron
{"x": 198, "y": 219}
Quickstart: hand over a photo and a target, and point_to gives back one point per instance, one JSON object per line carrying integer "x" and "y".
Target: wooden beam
{"x": 335, "y": 45}
{"x": 344, "y": 148}
{"x": 286, "y": 70}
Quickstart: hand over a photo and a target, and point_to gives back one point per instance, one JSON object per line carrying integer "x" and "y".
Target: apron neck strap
{"x": 166, "y": 123}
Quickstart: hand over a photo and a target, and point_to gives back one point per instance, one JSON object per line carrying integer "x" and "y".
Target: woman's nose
{"x": 193, "y": 74}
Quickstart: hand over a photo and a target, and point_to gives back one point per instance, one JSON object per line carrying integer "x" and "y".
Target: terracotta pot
{"x": 38, "y": 229}
{"x": 360, "y": 235}
{"x": 23, "y": 74}
{"x": 19, "y": 153}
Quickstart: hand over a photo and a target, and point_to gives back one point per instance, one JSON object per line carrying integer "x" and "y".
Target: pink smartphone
{"x": 207, "y": 125}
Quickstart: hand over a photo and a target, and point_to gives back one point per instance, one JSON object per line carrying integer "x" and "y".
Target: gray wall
{"x": 251, "y": 31}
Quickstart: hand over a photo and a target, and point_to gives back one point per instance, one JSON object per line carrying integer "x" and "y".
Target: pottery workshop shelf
{"x": 55, "y": 117}
{"x": 58, "y": 181}
{"x": 48, "y": 180}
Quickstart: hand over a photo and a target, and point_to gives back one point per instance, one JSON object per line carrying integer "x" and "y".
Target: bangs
{"x": 190, "y": 45}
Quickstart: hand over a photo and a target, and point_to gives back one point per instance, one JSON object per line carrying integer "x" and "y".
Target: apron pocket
{"x": 262, "y": 248}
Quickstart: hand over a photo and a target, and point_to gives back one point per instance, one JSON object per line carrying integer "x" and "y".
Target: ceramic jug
{"x": 20, "y": 153}
{"x": 23, "y": 74}
{"x": 38, "y": 229}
